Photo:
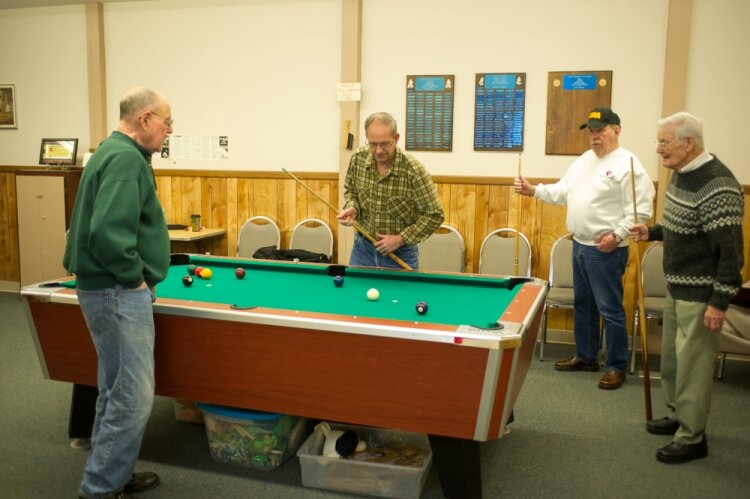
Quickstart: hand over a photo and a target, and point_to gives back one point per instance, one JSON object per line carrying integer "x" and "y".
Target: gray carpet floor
{"x": 570, "y": 440}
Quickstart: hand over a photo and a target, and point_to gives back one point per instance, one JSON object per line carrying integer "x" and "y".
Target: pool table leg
{"x": 457, "y": 463}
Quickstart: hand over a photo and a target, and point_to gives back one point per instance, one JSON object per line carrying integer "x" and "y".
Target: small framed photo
{"x": 8, "y": 117}
{"x": 61, "y": 152}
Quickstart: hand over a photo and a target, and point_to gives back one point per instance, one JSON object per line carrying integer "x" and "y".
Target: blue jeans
{"x": 364, "y": 254}
{"x": 121, "y": 324}
{"x": 597, "y": 285}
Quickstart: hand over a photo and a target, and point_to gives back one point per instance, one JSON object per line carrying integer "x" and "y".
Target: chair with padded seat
{"x": 443, "y": 251}
{"x": 498, "y": 251}
{"x": 735, "y": 333}
{"x": 654, "y": 292}
{"x": 560, "y": 293}
{"x": 257, "y": 232}
{"x": 313, "y": 234}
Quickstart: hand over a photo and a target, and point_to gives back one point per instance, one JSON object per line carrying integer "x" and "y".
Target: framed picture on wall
{"x": 8, "y": 106}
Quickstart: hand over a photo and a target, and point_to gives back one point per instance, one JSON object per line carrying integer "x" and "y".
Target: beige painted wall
{"x": 718, "y": 76}
{"x": 265, "y": 72}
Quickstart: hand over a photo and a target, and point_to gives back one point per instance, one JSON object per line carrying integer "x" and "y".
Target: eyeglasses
{"x": 167, "y": 121}
{"x": 383, "y": 145}
{"x": 663, "y": 144}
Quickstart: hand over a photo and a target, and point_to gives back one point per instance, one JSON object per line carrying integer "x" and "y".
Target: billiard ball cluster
{"x": 202, "y": 272}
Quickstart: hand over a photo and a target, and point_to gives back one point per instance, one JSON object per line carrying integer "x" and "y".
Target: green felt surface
{"x": 452, "y": 299}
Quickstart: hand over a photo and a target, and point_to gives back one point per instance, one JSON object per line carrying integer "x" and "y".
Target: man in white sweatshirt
{"x": 599, "y": 197}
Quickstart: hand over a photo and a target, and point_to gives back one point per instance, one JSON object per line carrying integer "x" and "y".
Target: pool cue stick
{"x": 518, "y": 223}
{"x": 355, "y": 224}
{"x": 643, "y": 323}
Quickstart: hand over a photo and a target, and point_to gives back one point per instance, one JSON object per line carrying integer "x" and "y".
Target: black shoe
{"x": 117, "y": 495}
{"x": 663, "y": 426}
{"x": 681, "y": 453}
{"x": 575, "y": 365}
{"x": 141, "y": 482}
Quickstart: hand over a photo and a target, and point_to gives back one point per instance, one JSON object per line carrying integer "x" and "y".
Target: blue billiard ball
{"x": 338, "y": 281}
{"x": 421, "y": 308}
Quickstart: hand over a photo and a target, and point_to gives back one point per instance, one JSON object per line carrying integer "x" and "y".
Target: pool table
{"x": 285, "y": 339}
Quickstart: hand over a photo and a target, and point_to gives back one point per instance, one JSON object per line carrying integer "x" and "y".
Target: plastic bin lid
{"x": 233, "y": 412}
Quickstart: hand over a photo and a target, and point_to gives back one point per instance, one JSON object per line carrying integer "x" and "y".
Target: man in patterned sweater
{"x": 702, "y": 234}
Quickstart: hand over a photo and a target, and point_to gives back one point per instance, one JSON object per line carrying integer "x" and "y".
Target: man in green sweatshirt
{"x": 703, "y": 257}
{"x": 118, "y": 249}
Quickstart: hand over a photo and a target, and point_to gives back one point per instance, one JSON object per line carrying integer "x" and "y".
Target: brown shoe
{"x": 575, "y": 365}
{"x": 612, "y": 380}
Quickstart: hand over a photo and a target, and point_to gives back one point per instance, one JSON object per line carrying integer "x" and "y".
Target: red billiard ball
{"x": 239, "y": 273}
{"x": 187, "y": 280}
{"x": 198, "y": 271}
{"x": 421, "y": 308}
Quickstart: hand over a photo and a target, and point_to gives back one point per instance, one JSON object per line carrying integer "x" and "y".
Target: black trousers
{"x": 82, "y": 411}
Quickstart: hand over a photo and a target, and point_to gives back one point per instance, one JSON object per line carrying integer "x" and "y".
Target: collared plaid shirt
{"x": 403, "y": 202}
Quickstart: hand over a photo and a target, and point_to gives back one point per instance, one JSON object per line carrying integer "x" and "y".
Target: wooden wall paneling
{"x": 164, "y": 191}
{"x": 288, "y": 210}
{"x": 233, "y": 223}
{"x": 245, "y": 190}
{"x": 460, "y": 214}
{"x": 480, "y": 228}
{"x": 265, "y": 196}
{"x": 218, "y": 214}
{"x": 529, "y": 225}
{"x": 333, "y": 199}
{"x": 192, "y": 199}
{"x": 497, "y": 209}
{"x": 10, "y": 264}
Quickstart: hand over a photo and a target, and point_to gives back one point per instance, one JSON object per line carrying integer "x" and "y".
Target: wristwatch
{"x": 618, "y": 239}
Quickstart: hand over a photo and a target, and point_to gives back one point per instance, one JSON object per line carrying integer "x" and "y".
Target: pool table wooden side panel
{"x": 396, "y": 383}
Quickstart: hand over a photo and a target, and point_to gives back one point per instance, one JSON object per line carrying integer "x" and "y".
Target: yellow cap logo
{"x": 595, "y": 115}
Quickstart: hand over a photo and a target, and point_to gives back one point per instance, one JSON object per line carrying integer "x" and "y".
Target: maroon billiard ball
{"x": 239, "y": 273}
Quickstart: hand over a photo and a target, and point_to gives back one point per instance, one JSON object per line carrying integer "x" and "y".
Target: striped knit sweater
{"x": 702, "y": 234}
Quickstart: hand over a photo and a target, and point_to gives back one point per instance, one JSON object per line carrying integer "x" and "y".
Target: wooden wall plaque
{"x": 571, "y": 95}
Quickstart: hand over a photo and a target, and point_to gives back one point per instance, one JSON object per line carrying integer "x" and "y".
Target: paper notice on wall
{"x": 197, "y": 147}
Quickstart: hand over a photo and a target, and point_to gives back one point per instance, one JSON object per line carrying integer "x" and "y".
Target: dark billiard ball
{"x": 239, "y": 273}
{"x": 191, "y": 269}
{"x": 421, "y": 308}
{"x": 187, "y": 280}
{"x": 338, "y": 281}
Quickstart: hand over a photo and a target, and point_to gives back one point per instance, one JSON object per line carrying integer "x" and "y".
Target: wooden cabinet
{"x": 45, "y": 205}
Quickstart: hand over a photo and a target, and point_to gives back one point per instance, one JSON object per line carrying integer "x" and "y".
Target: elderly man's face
{"x": 604, "y": 140}
{"x": 675, "y": 153}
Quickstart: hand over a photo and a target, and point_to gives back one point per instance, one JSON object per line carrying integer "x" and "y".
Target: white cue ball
{"x": 373, "y": 294}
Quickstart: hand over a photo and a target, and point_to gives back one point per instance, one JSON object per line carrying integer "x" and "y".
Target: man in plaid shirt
{"x": 391, "y": 196}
